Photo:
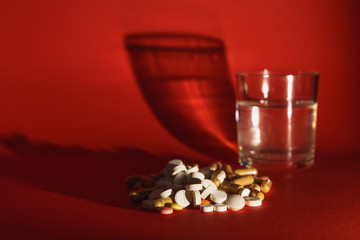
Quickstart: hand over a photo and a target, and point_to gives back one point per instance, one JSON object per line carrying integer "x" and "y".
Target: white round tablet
{"x": 196, "y": 198}
{"x": 196, "y": 177}
{"x": 180, "y": 179}
{"x": 208, "y": 191}
{"x": 194, "y": 187}
{"x": 253, "y": 201}
{"x": 166, "y": 193}
{"x": 183, "y": 198}
{"x": 206, "y": 183}
{"x": 244, "y": 192}
{"x": 220, "y": 207}
{"x": 206, "y": 207}
{"x": 177, "y": 169}
{"x": 235, "y": 202}
{"x": 218, "y": 196}
{"x": 192, "y": 169}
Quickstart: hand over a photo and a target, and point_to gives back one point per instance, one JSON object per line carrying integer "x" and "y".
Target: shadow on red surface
{"x": 97, "y": 176}
{"x": 186, "y": 82}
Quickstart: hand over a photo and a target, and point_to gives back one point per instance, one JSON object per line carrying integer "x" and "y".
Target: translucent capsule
{"x": 256, "y": 193}
{"x": 140, "y": 195}
{"x": 215, "y": 166}
{"x": 265, "y": 184}
{"x": 216, "y": 181}
{"x": 246, "y": 171}
{"x": 228, "y": 169}
{"x": 243, "y": 181}
{"x": 230, "y": 187}
{"x": 254, "y": 186}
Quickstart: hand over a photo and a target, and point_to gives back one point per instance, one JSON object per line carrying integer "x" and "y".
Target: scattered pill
{"x": 244, "y": 192}
{"x": 166, "y": 210}
{"x": 140, "y": 195}
{"x": 176, "y": 206}
{"x": 196, "y": 198}
{"x": 246, "y": 171}
{"x": 177, "y": 169}
{"x": 253, "y": 201}
{"x": 208, "y": 191}
{"x": 243, "y": 181}
{"x": 181, "y": 178}
{"x": 183, "y": 198}
{"x": 254, "y": 186}
{"x": 220, "y": 207}
{"x": 203, "y": 201}
{"x": 194, "y": 187}
{"x": 235, "y": 202}
{"x": 218, "y": 196}
{"x": 207, "y": 208}
{"x": 196, "y": 177}
{"x": 194, "y": 168}
{"x": 162, "y": 201}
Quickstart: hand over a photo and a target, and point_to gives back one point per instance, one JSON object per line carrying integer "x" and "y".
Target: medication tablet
{"x": 192, "y": 169}
{"x": 244, "y": 192}
{"x": 207, "y": 208}
{"x": 166, "y": 210}
{"x": 177, "y": 169}
{"x": 218, "y": 196}
{"x": 173, "y": 163}
{"x": 196, "y": 198}
{"x": 206, "y": 183}
{"x": 194, "y": 187}
{"x": 208, "y": 191}
{"x": 205, "y": 202}
{"x": 235, "y": 202}
{"x": 166, "y": 193}
{"x": 253, "y": 201}
{"x": 183, "y": 198}
{"x": 176, "y": 206}
{"x": 163, "y": 183}
{"x": 197, "y": 176}
{"x": 180, "y": 179}
{"x": 221, "y": 176}
{"x": 220, "y": 207}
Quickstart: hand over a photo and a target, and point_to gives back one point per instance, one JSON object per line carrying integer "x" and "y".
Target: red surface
{"x": 68, "y": 90}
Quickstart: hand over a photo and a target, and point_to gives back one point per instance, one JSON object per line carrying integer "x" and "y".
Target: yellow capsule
{"x": 230, "y": 187}
{"x": 215, "y": 166}
{"x": 246, "y": 171}
{"x": 216, "y": 181}
{"x": 162, "y": 201}
{"x": 140, "y": 195}
{"x": 132, "y": 180}
{"x": 243, "y": 181}
{"x": 265, "y": 184}
{"x": 228, "y": 169}
{"x": 176, "y": 206}
{"x": 256, "y": 193}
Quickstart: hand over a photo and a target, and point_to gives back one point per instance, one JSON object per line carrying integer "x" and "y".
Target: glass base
{"x": 276, "y": 162}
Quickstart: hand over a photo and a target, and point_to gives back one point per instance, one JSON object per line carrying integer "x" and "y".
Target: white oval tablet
{"x": 253, "y": 201}
{"x": 206, "y": 207}
{"x": 183, "y": 198}
{"x": 196, "y": 177}
{"x": 244, "y": 192}
{"x": 235, "y": 202}
{"x": 193, "y": 169}
{"x": 220, "y": 207}
{"x": 177, "y": 169}
{"x": 208, "y": 191}
{"x": 173, "y": 163}
{"x": 221, "y": 176}
{"x": 166, "y": 193}
{"x": 194, "y": 187}
{"x": 218, "y": 196}
{"x": 206, "y": 183}
{"x": 180, "y": 179}
{"x": 196, "y": 198}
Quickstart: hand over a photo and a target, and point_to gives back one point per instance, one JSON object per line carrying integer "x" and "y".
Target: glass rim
{"x": 277, "y": 72}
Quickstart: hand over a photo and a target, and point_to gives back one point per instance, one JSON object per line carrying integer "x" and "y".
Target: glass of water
{"x": 276, "y": 118}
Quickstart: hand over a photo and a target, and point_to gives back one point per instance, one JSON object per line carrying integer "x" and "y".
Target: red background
{"x": 66, "y": 80}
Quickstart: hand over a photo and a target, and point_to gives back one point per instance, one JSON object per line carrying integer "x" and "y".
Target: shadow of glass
{"x": 186, "y": 82}
{"x": 97, "y": 176}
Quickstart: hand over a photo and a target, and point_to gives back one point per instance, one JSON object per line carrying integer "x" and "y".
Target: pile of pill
{"x": 210, "y": 188}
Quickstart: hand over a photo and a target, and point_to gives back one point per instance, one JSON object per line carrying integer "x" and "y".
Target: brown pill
{"x": 132, "y": 180}
{"x": 147, "y": 181}
{"x": 246, "y": 171}
{"x": 243, "y": 181}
